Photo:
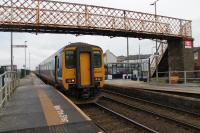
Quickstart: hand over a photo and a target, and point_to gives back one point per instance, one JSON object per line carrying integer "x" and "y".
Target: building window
{"x": 196, "y": 56}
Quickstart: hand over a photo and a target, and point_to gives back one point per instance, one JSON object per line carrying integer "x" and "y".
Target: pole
{"x": 128, "y": 55}
{"x": 127, "y": 50}
{"x": 11, "y": 56}
{"x": 11, "y": 40}
{"x": 149, "y": 69}
{"x": 29, "y": 61}
{"x": 140, "y": 69}
{"x": 25, "y": 57}
{"x": 156, "y": 41}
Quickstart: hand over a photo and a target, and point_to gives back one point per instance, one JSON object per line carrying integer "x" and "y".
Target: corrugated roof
{"x": 136, "y": 57}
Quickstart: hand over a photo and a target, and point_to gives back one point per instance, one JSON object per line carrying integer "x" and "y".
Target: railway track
{"x": 161, "y": 118}
{"x": 110, "y": 121}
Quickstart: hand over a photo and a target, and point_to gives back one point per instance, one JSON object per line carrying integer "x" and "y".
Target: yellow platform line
{"x": 51, "y": 116}
{"x": 77, "y": 108}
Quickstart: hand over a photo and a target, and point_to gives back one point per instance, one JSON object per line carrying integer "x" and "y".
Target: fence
{"x": 180, "y": 77}
{"x": 8, "y": 82}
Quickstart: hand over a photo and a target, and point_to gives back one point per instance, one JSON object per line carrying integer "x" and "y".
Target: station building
{"x": 196, "y": 51}
{"x": 123, "y": 67}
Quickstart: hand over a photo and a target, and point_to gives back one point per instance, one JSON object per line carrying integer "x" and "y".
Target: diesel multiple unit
{"x": 77, "y": 68}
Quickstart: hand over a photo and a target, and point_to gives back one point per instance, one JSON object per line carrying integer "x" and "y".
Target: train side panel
{"x": 50, "y": 71}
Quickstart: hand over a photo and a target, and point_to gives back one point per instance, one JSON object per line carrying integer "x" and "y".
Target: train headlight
{"x": 70, "y": 80}
{"x": 98, "y": 78}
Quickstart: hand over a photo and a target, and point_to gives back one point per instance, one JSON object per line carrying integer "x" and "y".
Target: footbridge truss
{"x": 45, "y": 16}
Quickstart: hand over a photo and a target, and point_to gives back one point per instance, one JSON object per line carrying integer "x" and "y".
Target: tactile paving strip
{"x": 80, "y": 127}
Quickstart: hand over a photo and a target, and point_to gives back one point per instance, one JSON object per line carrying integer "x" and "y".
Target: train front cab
{"x": 83, "y": 71}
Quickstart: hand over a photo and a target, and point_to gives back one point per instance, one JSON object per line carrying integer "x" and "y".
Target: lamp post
{"x": 25, "y": 46}
{"x": 22, "y": 46}
{"x": 155, "y": 5}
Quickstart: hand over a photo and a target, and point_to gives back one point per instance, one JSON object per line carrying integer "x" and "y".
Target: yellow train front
{"x": 77, "y": 68}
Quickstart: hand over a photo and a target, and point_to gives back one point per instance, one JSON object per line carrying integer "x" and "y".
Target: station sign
{"x": 188, "y": 44}
{"x": 20, "y": 46}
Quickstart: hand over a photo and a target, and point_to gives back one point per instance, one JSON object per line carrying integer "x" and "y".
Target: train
{"x": 77, "y": 69}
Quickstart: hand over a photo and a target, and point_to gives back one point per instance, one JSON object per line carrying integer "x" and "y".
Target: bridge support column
{"x": 180, "y": 55}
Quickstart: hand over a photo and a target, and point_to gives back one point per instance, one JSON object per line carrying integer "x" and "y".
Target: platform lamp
{"x": 155, "y": 5}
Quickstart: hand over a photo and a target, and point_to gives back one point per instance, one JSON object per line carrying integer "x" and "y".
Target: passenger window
{"x": 58, "y": 63}
{"x": 97, "y": 59}
{"x": 70, "y": 59}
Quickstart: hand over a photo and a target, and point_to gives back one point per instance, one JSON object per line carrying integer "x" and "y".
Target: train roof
{"x": 76, "y": 44}
{"x": 80, "y": 44}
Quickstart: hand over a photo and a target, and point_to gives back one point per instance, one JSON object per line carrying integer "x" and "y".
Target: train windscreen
{"x": 70, "y": 59}
{"x": 97, "y": 59}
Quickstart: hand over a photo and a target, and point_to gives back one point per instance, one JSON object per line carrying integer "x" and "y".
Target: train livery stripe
{"x": 51, "y": 116}
{"x": 78, "y": 109}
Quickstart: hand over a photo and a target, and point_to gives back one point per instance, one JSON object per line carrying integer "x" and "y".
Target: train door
{"x": 56, "y": 68}
{"x": 85, "y": 72}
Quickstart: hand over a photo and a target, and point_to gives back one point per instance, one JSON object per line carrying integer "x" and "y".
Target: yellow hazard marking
{"x": 78, "y": 109}
{"x": 51, "y": 115}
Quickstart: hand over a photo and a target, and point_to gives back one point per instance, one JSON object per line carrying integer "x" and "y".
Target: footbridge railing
{"x": 62, "y": 17}
{"x": 8, "y": 82}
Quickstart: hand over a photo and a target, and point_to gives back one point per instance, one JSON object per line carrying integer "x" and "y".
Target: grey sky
{"x": 43, "y": 45}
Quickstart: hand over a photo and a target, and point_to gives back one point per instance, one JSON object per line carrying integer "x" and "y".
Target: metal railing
{"x": 8, "y": 82}
{"x": 161, "y": 51}
{"x": 180, "y": 77}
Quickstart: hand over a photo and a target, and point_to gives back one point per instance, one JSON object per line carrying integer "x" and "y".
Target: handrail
{"x": 186, "y": 76}
{"x": 161, "y": 50}
{"x": 8, "y": 83}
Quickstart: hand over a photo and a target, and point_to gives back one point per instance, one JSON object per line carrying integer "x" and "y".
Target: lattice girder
{"x": 44, "y": 13}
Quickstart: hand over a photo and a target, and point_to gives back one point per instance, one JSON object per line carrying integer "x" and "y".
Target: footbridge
{"x": 47, "y": 16}
{"x": 62, "y": 17}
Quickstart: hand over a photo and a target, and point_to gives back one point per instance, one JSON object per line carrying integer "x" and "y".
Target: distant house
{"x": 109, "y": 57}
{"x": 196, "y": 51}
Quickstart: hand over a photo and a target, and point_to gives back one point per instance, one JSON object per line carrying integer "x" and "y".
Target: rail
{"x": 63, "y": 17}
{"x": 8, "y": 82}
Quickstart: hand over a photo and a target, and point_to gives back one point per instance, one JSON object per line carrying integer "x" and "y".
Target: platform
{"x": 155, "y": 87}
{"x": 36, "y": 107}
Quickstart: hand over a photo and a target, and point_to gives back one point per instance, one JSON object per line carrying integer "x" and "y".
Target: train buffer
{"x": 36, "y": 107}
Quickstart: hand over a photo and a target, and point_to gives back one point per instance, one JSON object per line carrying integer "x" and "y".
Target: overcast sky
{"x": 43, "y": 45}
